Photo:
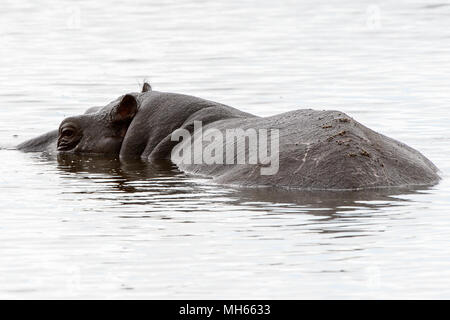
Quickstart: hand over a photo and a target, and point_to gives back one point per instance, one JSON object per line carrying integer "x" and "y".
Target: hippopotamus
{"x": 310, "y": 149}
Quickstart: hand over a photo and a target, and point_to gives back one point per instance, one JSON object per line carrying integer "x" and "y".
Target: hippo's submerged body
{"x": 317, "y": 149}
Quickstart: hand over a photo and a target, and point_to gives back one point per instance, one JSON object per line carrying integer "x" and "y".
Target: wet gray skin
{"x": 317, "y": 149}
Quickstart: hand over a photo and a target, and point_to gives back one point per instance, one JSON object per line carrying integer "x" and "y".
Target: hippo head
{"x": 98, "y": 132}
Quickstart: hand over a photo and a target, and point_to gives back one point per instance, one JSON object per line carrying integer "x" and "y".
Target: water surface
{"x": 84, "y": 227}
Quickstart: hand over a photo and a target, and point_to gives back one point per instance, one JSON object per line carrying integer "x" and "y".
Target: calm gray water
{"x": 97, "y": 228}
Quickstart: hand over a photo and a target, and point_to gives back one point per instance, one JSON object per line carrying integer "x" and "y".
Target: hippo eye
{"x": 69, "y": 137}
{"x": 67, "y": 132}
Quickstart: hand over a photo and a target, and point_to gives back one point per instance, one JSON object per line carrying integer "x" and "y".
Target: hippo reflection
{"x": 315, "y": 149}
{"x": 161, "y": 178}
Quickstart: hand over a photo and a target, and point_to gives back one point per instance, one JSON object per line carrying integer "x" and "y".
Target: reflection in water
{"x": 151, "y": 183}
{"x": 118, "y": 172}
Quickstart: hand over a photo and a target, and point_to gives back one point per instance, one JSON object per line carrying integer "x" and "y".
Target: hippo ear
{"x": 125, "y": 110}
{"x": 146, "y": 87}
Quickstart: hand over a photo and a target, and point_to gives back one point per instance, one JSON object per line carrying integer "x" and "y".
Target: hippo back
{"x": 324, "y": 150}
